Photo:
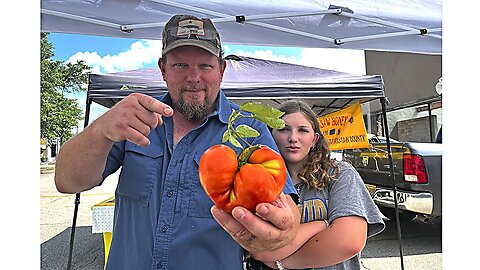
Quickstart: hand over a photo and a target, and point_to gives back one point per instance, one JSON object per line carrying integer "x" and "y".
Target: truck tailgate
{"x": 373, "y": 164}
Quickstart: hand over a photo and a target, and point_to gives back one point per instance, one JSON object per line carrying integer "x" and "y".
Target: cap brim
{"x": 192, "y": 42}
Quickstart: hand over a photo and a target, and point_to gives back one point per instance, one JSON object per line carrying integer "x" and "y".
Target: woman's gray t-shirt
{"x": 345, "y": 196}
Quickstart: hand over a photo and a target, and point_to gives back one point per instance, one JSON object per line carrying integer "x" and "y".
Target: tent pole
{"x": 392, "y": 177}
{"x": 226, "y": 18}
{"x": 407, "y": 30}
{"x": 79, "y": 18}
{"x": 387, "y": 35}
{"x": 72, "y": 235}
{"x": 77, "y": 195}
{"x": 412, "y": 30}
{"x": 430, "y": 122}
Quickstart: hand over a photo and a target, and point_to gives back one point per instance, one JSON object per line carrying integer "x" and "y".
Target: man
{"x": 163, "y": 217}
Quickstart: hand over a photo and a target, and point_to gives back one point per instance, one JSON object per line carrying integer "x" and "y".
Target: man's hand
{"x": 272, "y": 227}
{"x": 133, "y": 118}
{"x": 81, "y": 160}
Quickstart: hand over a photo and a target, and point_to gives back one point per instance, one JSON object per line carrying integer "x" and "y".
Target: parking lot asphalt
{"x": 56, "y": 216}
{"x": 422, "y": 244}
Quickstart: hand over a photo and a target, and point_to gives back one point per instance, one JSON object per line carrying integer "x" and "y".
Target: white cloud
{"x": 146, "y": 52}
{"x": 140, "y": 54}
{"x": 267, "y": 55}
{"x": 350, "y": 61}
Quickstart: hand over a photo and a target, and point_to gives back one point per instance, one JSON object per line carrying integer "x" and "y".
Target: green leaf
{"x": 271, "y": 121}
{"x": 264, "y": 113}
{"x": 244, "y": 131}
{"x": 261, "y": 110}
{"x": 234, "y": 142}
{"x": 226, "y": 136}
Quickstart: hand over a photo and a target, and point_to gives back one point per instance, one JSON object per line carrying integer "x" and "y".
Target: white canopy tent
{"x": 381, "y": 25}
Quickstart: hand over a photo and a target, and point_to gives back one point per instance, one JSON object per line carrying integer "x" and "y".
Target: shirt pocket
{"x": 140, "y": 170}
{"x": 199, "y": 204}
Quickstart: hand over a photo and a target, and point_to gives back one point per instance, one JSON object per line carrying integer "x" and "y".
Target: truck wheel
{"x": 404, "y": 216}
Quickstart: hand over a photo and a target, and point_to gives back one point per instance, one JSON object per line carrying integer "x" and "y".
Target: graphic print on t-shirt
{"x": 313, "y": 209}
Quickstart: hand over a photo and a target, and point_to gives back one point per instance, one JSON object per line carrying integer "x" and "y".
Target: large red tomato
{"x": 257, "y": 175}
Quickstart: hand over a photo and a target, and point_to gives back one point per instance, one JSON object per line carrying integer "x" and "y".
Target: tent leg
{"x": 392, "y": 177}
{"x": 430, "y": 123}
{"x": 77, "y": 195}
{"x": 72, "y": 235}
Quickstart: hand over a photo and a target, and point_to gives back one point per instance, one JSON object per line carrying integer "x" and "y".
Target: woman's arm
{"x": 342, "y": 240}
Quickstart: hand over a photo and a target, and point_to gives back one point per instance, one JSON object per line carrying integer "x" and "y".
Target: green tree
{"x": 59, "y": 115}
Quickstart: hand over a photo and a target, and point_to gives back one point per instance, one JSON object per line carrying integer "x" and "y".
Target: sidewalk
{"x": 56, "y": 217}
{"x": 47, "y": 167}
{"x": 56, "y": 209}
{"x": 431, "y": 261}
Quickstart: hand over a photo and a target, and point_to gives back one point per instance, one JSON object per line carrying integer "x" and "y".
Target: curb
{"x": 47, "y": 169}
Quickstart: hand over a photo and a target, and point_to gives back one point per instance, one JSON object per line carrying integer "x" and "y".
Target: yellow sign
{"x": 345, "y": 129}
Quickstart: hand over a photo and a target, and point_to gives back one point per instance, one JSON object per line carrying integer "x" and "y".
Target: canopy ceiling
{"x": 248, "y": 79}
{"x": 378, "y": 25}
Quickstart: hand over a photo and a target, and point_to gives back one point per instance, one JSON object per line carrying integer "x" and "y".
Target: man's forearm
{"x": 81, "y": 161}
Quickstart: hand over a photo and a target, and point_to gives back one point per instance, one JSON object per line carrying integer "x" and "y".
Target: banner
{"x": 345, "y": 128}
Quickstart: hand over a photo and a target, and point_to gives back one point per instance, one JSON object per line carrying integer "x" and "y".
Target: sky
{"x": 107, "y": 54}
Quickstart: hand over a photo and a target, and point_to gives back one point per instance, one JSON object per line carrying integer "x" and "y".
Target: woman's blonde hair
{"x": 319, "y": 170}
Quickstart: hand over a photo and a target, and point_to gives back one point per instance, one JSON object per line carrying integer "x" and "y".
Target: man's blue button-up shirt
{"x": 162, "y": 214}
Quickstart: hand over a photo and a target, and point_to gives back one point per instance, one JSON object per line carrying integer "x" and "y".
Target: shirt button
{"x": 164, "y": 228}
{"x": 159, "y": 264}
{"x": 169, "y": 194}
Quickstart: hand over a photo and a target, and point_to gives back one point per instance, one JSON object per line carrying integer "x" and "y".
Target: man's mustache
{"x": 194, "y": 88}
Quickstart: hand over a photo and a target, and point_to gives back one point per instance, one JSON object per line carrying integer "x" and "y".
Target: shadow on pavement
{"x": 88, "y": 250}
{"x": 417, "y": 238}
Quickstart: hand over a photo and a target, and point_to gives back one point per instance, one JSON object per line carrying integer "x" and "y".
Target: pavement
{"x": 56, "y": 216}
{"x": 421, "y": 242}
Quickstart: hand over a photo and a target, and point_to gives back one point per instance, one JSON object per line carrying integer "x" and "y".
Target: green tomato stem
{"x": 239, "y": 137}
{"x": 245, "y": 154}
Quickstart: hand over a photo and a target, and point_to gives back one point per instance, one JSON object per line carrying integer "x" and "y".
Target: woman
{"x": 337, "y": 212}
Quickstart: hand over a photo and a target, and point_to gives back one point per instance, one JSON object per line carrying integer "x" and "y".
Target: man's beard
{"x": 193, "y": 111}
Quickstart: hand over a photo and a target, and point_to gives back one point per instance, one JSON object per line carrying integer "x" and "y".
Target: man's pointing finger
{"x": 154, "y": 105}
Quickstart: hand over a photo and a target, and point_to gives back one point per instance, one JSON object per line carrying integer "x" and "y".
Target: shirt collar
{"x": 223, "y": 107}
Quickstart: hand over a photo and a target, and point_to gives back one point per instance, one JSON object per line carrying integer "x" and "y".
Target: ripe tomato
{"x": 257, "y": 175}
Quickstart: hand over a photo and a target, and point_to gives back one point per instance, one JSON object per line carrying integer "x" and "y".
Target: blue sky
{"x": 67, "y": 45}
{"x": 107, "y": 54}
